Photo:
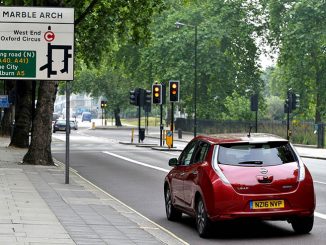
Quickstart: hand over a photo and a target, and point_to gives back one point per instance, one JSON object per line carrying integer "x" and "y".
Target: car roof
{"x": 241, "y": 138}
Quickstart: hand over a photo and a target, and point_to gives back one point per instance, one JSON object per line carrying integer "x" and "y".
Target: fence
{"x": 301, "y": 132}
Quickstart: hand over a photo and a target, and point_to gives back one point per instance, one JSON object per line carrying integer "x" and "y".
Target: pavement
{"x": 37, "y": 207}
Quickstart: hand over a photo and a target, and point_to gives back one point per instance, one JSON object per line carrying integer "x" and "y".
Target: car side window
{"x": 200, "y": 153}
{"x": 186, "y": 155}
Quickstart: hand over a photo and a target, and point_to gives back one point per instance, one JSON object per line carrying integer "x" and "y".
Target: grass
{"x": 152, "y": 121}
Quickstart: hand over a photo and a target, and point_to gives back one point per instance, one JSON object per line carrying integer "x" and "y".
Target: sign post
{"x": 37, "y": 43}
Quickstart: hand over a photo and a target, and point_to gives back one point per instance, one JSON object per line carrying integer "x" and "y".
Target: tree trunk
{"x": 117, "y": 117}
{"x": 23, "y": 114}
{"x": 5, "y": 128}
{"x": 39, "y": 152}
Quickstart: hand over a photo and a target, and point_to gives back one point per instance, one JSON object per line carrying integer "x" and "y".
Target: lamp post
{"x": 179, "y": 25}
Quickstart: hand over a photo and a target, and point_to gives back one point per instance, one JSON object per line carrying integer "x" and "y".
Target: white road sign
{"x": 36, "y": 43}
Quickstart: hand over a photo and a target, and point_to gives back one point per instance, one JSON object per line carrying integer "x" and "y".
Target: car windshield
{"x": 258, "y": 154}
{"x": 61, "y": 122}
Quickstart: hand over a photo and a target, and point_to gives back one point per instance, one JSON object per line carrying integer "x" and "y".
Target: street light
{"x": 179, "y": 25}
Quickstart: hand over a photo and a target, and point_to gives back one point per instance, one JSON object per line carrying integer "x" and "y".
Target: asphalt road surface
{"x": 135, "y": 176}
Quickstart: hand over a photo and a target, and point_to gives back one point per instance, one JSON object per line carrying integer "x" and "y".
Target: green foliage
{"x": 227, "y": 53}
{"x": 237, "y": 108}
{"x": 297, "y": 29}
{"x": 275, "y": 108}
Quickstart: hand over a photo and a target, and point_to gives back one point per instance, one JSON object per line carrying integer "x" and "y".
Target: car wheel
{"x": 171, "y": 212}
{"x": 202, "y": 221}
{"x": 303, "y": 225}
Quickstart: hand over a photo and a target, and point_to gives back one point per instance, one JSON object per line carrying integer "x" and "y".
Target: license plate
{"x": 269, "y": 204}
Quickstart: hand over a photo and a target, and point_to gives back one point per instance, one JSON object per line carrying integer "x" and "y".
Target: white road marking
{"x": 319, "y": 182}
{"x": 320, "y": 215}
{"x": 136, "y": 162}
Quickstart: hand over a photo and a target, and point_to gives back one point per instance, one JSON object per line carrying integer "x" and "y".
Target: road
{"x": 135, "y": 176}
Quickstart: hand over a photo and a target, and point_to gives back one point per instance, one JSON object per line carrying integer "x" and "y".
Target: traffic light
{"x": 157, "y": 93}
{"x": 174, "y": 91}
{"x": 148, "y": 97}
{"x": 254, "y": 102}
{"x": 103, "y": 104}
{"x": 134, "y": 97}
{"x": 295, "y": 101}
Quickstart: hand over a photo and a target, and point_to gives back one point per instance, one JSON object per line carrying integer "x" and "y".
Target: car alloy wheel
{"x": 202, "y": 222}
{"x": 171, "y": 213}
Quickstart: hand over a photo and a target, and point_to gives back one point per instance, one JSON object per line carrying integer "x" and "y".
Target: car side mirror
{"x": 173, "y": 162}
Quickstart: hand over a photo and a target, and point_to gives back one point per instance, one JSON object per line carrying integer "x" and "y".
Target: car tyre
{"x": 203, "y": 223}
{"x": 303, "y": 225}
{"x": 172, "y": 213}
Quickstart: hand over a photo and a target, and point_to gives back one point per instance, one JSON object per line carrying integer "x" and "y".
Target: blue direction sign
{"x": 4, "y": 102}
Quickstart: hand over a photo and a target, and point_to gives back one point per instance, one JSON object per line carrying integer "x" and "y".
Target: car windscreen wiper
{"x": 252, "y": 162}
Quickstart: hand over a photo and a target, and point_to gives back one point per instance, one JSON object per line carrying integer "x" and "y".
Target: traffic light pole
{"x": 139, "y": 115}
{"x": 161, "y": 124}
{"x": 257, "y": 121}
{"x": 172, "y": 121}
{"x": 288, "y": 124}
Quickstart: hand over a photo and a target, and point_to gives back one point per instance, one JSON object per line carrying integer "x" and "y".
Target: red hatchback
{"x": 230, "y": 176}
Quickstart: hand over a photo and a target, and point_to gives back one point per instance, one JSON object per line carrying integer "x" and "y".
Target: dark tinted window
{"x": 261, "y": 154}
{"x": 201, "y": 152}
{"x": 186, "y": 155}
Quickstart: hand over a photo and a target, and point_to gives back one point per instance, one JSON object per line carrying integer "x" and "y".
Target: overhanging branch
{"x": 86, "y": 12}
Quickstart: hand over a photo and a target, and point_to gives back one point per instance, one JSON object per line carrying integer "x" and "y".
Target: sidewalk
{"x": 36, "y": 207}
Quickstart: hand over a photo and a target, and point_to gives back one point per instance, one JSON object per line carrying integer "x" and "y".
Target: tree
{"x": 297, "y": 30}
{"x": 237, "y": 108}
{"x": 99, "y": 25}
{"x": 227, "y": 53}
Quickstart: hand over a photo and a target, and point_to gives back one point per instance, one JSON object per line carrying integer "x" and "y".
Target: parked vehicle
{"x": 230, "y": 176}
{"x": 73, "y": 124}
{"x": 86, "y": 116}
{"x": 59, "y": 125}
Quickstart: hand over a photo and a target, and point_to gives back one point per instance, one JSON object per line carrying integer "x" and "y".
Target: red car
{"x": 226, "y": 177}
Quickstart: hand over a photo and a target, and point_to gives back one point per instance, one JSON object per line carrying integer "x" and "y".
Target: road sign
{"x": 36, "y": 43}
{"x": 4, "y": 102}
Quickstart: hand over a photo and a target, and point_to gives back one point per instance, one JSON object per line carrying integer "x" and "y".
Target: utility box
{"x": 169, "y": 138}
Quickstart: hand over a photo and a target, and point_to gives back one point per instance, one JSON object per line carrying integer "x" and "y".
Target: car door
{"x": 179, "y": 172}
{"x": 190, "y": 177}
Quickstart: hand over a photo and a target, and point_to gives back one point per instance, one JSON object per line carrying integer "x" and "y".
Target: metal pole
{"x": 288, "y": 122}
{"x": 161, "y": 124}
{"x": 67, "y": 130}
{"x": 195, "y": 86}
{"x": 139, "y": 115}
{"x": 172, "y": 120}
{"x": 257, "y": 120}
